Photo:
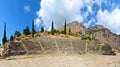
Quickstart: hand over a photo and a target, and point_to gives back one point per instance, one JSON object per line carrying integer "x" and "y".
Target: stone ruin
{"x": 51, "y": 45}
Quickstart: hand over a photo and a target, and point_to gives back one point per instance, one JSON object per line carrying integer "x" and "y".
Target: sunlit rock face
{"x": 75, "y": 27}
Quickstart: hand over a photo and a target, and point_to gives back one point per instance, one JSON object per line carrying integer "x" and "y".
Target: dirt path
{"x": 64, "y": 61}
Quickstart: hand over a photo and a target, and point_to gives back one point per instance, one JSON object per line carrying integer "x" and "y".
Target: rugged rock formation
{"x": 104, "y": 36}
{"x": 107, "y": 50}
{"x": 75, "y": 27}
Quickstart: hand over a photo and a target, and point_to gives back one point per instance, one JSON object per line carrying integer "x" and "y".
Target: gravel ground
{"x": 88, "y": 60}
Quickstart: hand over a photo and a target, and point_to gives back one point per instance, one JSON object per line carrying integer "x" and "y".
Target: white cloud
{"x": 61, "y": 10}
{"x": 27, "y": 8}
{"x": 110, "y": 20}
{"x": 89, "y": 9}
{"x": 37, "y": 22}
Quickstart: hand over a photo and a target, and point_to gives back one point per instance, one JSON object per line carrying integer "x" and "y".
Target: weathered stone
{"x": 75, "y": 27}
{"x": 50, "y": 45}
{"x": 107, "y": 50}
{"x": 104, "y": 36}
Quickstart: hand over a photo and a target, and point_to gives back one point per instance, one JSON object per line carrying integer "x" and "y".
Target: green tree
{"x": 26, "y": 31}
{"x": 33, "y": 29}
{"x": 70, "y": 31}
{"x": 65, "y": 32}
{"x": 11, "y": 37}
{"x": 42, "y": 29}
{"x": 17, "y": 34}
{"x": 4, "y": 39}
{"x": 52, "y": 28}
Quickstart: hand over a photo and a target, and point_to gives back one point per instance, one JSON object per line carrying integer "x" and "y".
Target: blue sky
{"x": 19, "y": 13}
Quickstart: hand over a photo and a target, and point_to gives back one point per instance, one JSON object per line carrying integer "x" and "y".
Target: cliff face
{"x": 104, "y": 36}
{"x": 75, "y": 27}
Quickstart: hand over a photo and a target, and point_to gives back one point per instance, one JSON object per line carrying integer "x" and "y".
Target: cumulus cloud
{"x": 110, "y": 20}
{"x": 37, "y": 22}
{"x": 27, "y": 8}
{"x": 59, "y": 11}
{"x": 103, "y": 12}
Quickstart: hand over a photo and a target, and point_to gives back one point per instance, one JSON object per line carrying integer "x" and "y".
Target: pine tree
{"x": 11, "y": 37}
{"x": 52, "y": 28}
{"x": 17, "y": 34}
{"x": 26, "y": 31}
{"x": 4, "y": 36}
{"x": 33, "y": 29}
{"x": 42, "y": 29}
{"x": 65, "y": 32}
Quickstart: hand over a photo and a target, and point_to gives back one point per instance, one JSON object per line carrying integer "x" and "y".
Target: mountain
{"x": 104, "y": 35}
{"x": 75, "y": 27}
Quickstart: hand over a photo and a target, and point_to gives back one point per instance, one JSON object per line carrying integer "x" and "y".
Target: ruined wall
{"x": 50, "y": 45}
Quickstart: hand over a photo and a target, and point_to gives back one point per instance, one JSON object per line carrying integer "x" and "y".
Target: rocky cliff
{"x": 75, "y": 27}
{"x": 104, "y": 35}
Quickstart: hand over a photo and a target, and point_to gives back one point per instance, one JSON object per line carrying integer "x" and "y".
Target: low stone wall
{"x": 50, "y": 45}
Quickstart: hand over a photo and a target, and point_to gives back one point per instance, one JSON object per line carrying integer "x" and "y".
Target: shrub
{"x": 26, "y": 31}
{"x": 11, "y": 37}
{"x": 37, "y": 35}
{"x": 23, "y": 36}
{"x": 17, "y": 34}
{"x": 86, "y": 37}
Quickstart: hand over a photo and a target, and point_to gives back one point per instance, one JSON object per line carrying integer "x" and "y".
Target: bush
{"x": 86, "y": 37}
{"x": 23, "y": 36}
{"x": 26, "y": 31}
{"x": 37, "y": 35}
{"x": 61, "y": 32}
{"x": 17, "y": 34}
{"x": 75, "y": 34}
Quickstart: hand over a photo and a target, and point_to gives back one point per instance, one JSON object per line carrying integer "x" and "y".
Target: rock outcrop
{"x": 75, "y": 27}
{"x": 104, "y": 36}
